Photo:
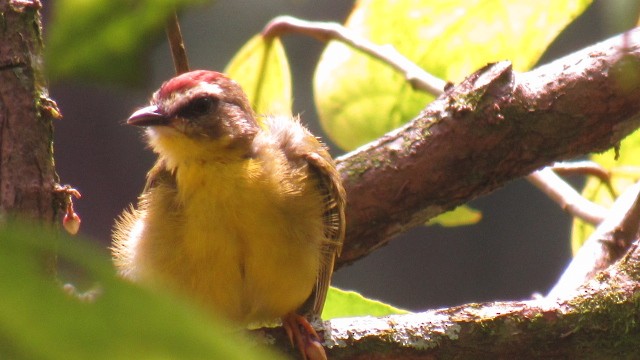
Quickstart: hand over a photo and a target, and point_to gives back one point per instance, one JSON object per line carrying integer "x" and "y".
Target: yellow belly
{"x": 245, "y": 247}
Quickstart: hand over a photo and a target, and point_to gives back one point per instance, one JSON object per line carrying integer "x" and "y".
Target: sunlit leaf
{"x": 360, "y": 98}
{"x": 341, "y": 303}
{"x": 262, "y": 69}
{"x": 462, "y": 215}
{"x": 40, "y": 321}
{"x": 105, "y": 40}
{"x": 625, "y": 171}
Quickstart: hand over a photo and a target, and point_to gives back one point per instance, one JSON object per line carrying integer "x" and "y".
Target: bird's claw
{"x": 303, "y": 336}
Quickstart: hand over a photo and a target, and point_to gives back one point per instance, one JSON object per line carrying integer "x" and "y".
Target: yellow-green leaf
{"x": 262, "y": 69}
{"x": 360, "y": 98}
{"x": 342, "y": 303}
{"x": 462, "y": 215}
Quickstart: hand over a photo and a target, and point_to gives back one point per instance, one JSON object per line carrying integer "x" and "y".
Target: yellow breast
{"x": 241, "y": 239}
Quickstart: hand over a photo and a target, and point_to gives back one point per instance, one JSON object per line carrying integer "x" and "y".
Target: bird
{"x": 243, "y": 213}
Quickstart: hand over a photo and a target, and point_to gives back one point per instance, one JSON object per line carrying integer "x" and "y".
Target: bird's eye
{"x": 198, "y": 107}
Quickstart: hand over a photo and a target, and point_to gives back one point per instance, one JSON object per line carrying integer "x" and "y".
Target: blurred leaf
{"x": 462, "y": 215}
{"x": 624, "y": 172}
{"x": 359, "y": 98}
{"x": 105, "y": 40}
{"x": 39, "y": 321}
{"x": 262, "y": 69}
{"x": 341, "y": 303}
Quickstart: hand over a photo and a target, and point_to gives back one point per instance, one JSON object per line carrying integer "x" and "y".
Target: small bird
{"x": 244, "y": 214}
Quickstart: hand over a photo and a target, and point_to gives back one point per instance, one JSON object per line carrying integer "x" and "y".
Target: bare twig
{"x": 325, "y": 31}
{"x": 606, "y": 245}
{"x": 586, "y": 167}
{"x": 568, "y": 199}
{"x": 176, "y": 43}
{"x": 581, "y": 168}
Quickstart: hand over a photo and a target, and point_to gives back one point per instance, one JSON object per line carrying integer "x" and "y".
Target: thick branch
{"x": 548, "y": 182}
{"x": 599, "y": 323}
{"x": 496, "y": 126}
{"x": 596, "y": 320}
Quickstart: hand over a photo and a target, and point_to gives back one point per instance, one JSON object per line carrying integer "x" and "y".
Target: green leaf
{"x": 625, "y": 171}
{"x": 39, "y": 321}
{"x": 360, "y": 98}
{"x": 105, "y": 40}
{"x": 262, "y": 69}
{"x": 462, "y": 215}
{"x": 341, "y": 303}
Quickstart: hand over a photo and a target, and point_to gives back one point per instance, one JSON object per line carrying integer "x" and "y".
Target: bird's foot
{"x": 303, "y": 336}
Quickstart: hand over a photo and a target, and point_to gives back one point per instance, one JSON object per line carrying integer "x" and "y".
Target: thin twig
{"x": 176, "y": 43}
{"x": 607, "y": 244}
{"x": 582, "y": 168}
{"x": 325, "y": 31}
{"x": 585, "y": 168}
{"x": 568, "y": 199}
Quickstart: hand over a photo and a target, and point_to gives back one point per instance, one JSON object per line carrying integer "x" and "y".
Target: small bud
{"x": 71, "y": 223}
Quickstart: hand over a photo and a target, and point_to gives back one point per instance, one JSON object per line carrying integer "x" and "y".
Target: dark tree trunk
{"x": 27, "y": 174}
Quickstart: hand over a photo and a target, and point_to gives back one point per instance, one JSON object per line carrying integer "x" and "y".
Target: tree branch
{"x": 420, "y": 79}
{"x": 566, "y": 196}
{"x": 606, "y": 245}
{"x": 585, "y": 167}
{"x": 496, "y": 126}
{"x": 325, "y": 31}
{"x": 596, "y": 320}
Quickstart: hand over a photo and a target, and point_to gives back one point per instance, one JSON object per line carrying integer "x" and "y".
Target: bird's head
{"x": 196, "y": 114}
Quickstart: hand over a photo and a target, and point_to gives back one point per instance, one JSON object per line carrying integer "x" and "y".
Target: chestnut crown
{"x": 200, "y": 104}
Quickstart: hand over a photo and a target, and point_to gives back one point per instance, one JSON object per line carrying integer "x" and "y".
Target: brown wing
{"x": 297, "y": 143}
{"x": 159, "y": 174}
{"x": 330, "y": 185}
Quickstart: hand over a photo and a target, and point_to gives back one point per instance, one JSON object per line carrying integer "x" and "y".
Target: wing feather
{"x": 330, "y": 186}
{"x": 301, "y": 147}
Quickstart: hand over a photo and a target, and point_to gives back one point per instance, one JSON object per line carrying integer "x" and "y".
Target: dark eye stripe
{"x": 198, "y": 107}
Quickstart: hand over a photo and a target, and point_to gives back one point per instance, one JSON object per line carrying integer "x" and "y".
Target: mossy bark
{"x": 494, "y": 127}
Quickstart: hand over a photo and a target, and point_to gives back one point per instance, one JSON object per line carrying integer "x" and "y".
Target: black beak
{"x": 148, "y": 116}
